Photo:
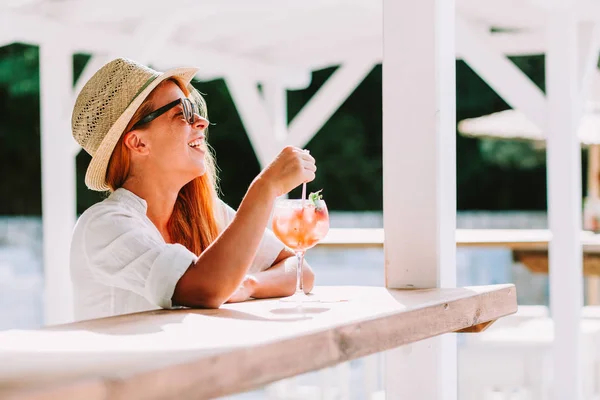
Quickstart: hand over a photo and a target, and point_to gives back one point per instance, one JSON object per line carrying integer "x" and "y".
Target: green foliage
{"x": 20, "y": 162}
{"x": 512, "y": 154}
{"x": 19, "y": 70}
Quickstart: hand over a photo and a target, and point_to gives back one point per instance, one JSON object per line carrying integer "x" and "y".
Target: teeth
{"x": 195, "y": 143}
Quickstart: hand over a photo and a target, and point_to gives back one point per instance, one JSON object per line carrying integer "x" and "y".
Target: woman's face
{"x": 174, "y": 148}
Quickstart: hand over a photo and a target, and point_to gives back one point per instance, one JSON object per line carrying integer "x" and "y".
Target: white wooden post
{"x": 58, "y": 180}
{"x": 419, "y": 162}
{"x": 564, "y": 198}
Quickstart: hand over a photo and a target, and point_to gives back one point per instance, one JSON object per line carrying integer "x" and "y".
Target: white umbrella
{"x": 513, "y": 124}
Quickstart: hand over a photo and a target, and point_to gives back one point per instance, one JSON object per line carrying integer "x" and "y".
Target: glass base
{"x": 300, "y": 297}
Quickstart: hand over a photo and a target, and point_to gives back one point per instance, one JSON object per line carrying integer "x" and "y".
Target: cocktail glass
{"x": 300, "y": 225}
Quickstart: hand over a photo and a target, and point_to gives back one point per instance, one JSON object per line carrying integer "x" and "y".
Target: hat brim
{"x": 95, "y": 177}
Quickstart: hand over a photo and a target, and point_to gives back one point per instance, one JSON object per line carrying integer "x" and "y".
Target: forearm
{"x": 222, "y": 266}
{"x": 280, "y": 280}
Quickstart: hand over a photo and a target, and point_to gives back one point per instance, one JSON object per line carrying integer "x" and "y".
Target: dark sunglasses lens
{"x": 188, "y": 112}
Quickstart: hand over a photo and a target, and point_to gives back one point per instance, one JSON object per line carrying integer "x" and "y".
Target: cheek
{"x": 167, "y": 148}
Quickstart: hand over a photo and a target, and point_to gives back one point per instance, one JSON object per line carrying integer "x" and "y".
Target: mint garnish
{"x": 314, "y": 197}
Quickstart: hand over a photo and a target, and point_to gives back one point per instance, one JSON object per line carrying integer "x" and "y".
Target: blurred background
{"x": 501, "y": 177}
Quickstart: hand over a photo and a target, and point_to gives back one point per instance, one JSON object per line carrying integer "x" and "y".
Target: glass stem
{"x": 299, "y": 275}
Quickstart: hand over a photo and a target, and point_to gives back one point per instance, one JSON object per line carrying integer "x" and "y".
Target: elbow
{"x": 212, "y": 299}
{"x": 212, "y": 303}
{"x": 195, "y": 296}
{"x": 207, "y": 301}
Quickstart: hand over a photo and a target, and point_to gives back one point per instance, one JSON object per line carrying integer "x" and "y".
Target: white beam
{"x": 282, "y": 14}
{"x": 253, "y": 113}
{"x": 322, "y": 55}
{"x": 6, "y": 36}
{"x": 564, "y": 200}
{"x": 36, "y": 29}
{"x": 147, "y": 40}
{"x": 327, "y": 100}
{"x": 153, "y": 35}
{"x": 419, "y": 164}
{"x": 58, "y": 180}
{"x": 516, "y": 43}
{"x": 500, "y": 73}
{"x": 587, "y": 10}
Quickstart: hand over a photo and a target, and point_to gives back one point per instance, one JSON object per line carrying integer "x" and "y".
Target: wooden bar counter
{"x": 199, "y": 354}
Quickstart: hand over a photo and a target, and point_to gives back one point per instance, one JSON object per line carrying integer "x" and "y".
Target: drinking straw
{"x": 304, "y": 186}
{"x": 303, "y": 193}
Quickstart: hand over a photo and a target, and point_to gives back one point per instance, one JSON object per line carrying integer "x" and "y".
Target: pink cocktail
{"x": 300, "y": 225}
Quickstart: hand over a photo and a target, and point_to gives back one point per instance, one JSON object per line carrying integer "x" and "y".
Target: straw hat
{"x": 106, "y": 105}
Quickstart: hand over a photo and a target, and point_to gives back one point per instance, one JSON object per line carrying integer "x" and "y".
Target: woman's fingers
{"x": 310, "y": 167}
{"x": 307, "y": 157}
{"x": 310, "y": 177}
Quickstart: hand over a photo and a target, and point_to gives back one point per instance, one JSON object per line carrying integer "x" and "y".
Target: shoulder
{"x": 109, "y": 219}
{"x": 107, "y": 209}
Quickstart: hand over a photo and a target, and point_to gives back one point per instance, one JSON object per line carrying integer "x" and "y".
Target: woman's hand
{"x": 291, "y": 168}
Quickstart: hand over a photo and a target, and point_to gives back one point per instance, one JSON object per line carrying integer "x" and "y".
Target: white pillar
{"x": 419, "y": 163}
{"x": 58, "y": 180}
{"x": 564, "y": 199}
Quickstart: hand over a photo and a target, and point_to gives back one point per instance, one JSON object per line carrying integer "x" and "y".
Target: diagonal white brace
{"x": 327, "y": 100}
{"x": 255, "y": 118}
{"x": 500, "y": 73}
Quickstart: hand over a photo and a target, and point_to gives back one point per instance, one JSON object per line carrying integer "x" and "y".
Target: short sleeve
{"x": 123, "y": 251}
{"x": 268, "y": 249}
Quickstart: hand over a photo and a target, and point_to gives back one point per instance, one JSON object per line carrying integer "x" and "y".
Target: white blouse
{"x": 121, "y": 264}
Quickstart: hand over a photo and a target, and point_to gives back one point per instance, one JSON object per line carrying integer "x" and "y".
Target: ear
{"x": 136, "y": 142}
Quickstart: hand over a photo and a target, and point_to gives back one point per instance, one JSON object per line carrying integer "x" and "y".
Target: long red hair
{"x": 193, "y": 222}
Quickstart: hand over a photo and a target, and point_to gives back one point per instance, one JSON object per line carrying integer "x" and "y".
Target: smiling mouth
{"x": 197, "y": 144}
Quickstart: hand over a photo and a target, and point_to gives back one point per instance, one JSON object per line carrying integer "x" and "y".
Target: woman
{"x": 163, "y": 238}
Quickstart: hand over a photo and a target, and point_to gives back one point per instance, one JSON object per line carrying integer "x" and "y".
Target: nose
{"x": 200, "y": 122}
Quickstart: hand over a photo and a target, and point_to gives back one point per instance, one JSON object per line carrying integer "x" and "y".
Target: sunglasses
{"x": 189, "y": 112}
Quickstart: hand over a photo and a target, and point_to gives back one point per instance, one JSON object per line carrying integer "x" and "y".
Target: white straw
{"x": 304, "y": 185}
{"x": 303, "y": 193}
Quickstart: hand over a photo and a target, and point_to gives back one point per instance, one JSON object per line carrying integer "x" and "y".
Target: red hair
{"x": 193, "y": 222}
